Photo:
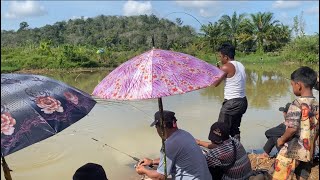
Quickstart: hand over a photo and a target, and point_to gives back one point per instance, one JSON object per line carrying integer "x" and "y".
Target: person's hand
{"x": 198, "y": 141}
{"x": 146, "y": 162}
{"x": 280, "y": 142}
{"x": 140, "y": 169}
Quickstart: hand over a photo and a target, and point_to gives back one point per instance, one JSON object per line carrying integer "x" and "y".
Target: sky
{"x": 40, "y": 13}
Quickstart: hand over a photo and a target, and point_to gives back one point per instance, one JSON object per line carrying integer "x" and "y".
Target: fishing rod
{"x": 263, "y": 125}
{"x": 134, "y": 158}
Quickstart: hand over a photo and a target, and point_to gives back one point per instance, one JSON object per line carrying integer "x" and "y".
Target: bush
{"x": 302, "y": 49}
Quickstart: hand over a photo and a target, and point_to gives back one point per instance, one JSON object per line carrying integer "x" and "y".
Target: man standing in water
{"x": 235, "y": 102}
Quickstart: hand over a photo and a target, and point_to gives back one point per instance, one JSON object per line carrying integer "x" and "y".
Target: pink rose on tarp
{"x": 49, "y": 104}
{"x": 71, "y": 97}
{"x": 7, "y": 123}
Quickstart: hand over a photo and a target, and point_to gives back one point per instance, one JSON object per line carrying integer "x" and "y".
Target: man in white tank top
{"x": 235, "y": 102}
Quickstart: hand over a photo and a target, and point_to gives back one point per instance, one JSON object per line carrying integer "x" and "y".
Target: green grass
{"x": 7, "y": 69}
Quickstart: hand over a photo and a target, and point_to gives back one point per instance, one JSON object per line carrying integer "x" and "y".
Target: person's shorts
{"x": 303, "y": 169}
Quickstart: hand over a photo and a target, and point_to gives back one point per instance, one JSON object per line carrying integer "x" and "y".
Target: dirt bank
{"x": 257, "y": 163}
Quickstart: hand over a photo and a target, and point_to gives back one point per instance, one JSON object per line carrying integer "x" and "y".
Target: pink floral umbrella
{"x": 157, "y": 73}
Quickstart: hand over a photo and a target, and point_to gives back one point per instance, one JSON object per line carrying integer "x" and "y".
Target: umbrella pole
{"x": 6, "y": 169}
{"x": 162, "y": 124}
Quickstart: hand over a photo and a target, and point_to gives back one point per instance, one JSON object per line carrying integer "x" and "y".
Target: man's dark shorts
{"x": 303, "y": 169}
{"x": 231, "y": 113}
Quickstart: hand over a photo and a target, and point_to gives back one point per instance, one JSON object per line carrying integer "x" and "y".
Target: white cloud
{"x": 204, "y": 8}
{"x": 286, "y": 4}
{"x": 196, "y": 4}
{"x": 132, "y": 8}
{"x": 18, "y": 9}
{"x": 312, "y": 10}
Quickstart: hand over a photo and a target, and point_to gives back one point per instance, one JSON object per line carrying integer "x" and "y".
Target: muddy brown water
{"x": 125, "y": 126}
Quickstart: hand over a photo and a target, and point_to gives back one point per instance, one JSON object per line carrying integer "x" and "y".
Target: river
{"x": 125, "y": 125}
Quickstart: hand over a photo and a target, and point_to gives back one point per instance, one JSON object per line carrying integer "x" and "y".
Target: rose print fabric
{"x": 36, "y": 107}
{"x": 157, "y": 73}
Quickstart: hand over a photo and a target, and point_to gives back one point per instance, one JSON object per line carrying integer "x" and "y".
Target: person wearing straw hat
{"x": 184, "y": 157}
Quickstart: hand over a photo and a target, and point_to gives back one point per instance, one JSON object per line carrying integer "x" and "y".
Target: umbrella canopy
{"x": 157, "y": 73}
{"x": 35, "y": 107}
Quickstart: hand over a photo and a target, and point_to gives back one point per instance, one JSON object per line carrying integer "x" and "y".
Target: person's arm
{"x": 290, "y": 132}
{"x": 205, "y": 144}
{"x": 156, "y": 161}
{"x": 293, "y": 119}
{"x": 217, "y": 83}
{"x": 153, "y": 174}
{"x": 149, "y": 162}
{"x": 228, "y": 69}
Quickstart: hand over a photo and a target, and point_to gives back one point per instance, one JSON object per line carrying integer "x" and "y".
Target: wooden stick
{"x": 6, "y": 169}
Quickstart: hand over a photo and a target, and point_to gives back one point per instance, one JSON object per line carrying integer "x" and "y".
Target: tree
{"x": 302, "y": 24}
{"x": 23, "y": 26}
{"x": 179, "y": 21}
{"x": 262, "y": 23}
{"x": 231, "y": 26}
{"x": 277, "y": 37}
{"x": 213, "y": 35}
{"x": 296, "y": 26}
{"x": 299, "y": 25}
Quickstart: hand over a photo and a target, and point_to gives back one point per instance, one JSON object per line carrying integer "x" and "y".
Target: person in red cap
{"x": 184, "y": 157}
{"x": 226, "y": 157}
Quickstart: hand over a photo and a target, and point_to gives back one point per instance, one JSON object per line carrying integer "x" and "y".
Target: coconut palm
{"x": 231, "y": 25}
{"x": 261, "y": 24}
{"x": 213, "y": 34}
{"x": 277, "y": 37}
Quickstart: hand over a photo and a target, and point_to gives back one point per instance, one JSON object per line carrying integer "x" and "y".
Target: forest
{"x": 107, "y": 41}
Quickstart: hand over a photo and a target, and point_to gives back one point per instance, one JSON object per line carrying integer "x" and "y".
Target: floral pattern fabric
{"x": 36, "y": 107}
{"x": 157, "y": 73}
{"x": 283, "y": 168}
{"x": 303, "y": 114}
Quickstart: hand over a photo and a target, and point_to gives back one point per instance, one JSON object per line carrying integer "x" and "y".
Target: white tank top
{"x": 235, "y": 86}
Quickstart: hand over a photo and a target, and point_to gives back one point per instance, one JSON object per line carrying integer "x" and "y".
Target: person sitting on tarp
{"x": 184, "y": 157}
{"x": 274, "y": 133}
{"x": 226, "y": 157}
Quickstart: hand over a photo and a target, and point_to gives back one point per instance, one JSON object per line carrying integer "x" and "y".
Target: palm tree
{"x": 231, "y": 26}
{"x": 262, "y": 23}
{"x": 213, "y": 34}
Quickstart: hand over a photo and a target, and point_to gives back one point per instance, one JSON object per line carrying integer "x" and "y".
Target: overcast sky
{"x": 40, "y": 13}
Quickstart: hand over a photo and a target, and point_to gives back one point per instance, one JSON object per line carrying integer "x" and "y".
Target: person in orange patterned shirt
{"x": 302, "y": 128}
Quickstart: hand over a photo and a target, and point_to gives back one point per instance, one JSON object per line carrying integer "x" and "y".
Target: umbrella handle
{"x": 163, "y": 134}
{"x": 6, "y": 169}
